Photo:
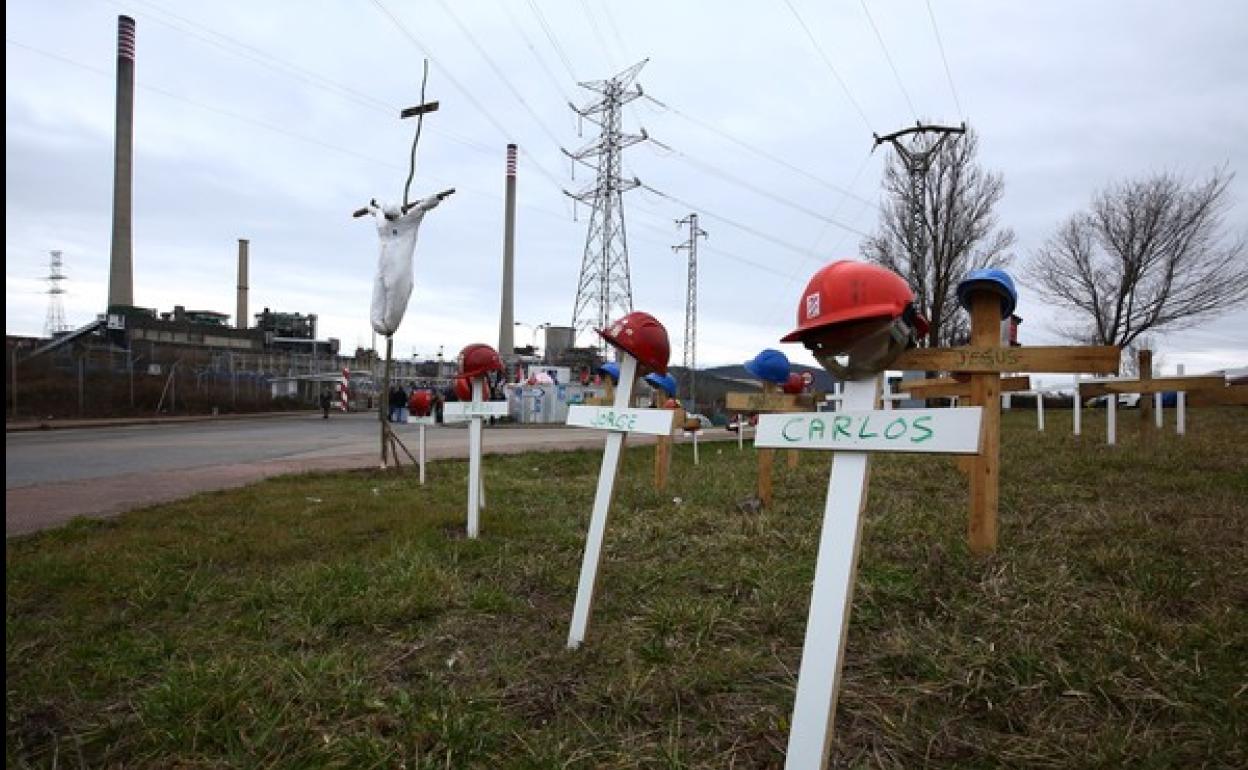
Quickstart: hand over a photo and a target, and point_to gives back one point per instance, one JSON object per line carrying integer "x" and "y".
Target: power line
{"x": 948, "y": 74}
{"x": 515, "y": 23}
{"x": 828, "y": 63}
{"x": 733, "y": 223}
{"x": 714, "y": 171}
{"x": 889, "y": 59}
{"x": 554, "y": 42}
{"x": 268, "y": 126}
{"x": 498, "y": 72}
{"x": 602, "y": 41}
{"x": 756, "y": 150}
{"x": 235, "y": 47}
{"x": 459, "y": 86}
{"x": 615, "y": 30}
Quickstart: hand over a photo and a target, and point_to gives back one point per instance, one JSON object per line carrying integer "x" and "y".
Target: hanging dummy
{"x": 393, "y": 285}
{"x": 397, "y": 228}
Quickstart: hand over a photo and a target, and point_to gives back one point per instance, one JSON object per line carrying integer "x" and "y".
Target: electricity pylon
{"x": 604, "y": 289}
{"x": 918, "y": 162}
{"x": 54, "y": 324}
{"x": 691, "y": 303}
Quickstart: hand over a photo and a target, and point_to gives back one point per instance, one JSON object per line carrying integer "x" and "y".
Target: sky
{"x": 274, "y": 121}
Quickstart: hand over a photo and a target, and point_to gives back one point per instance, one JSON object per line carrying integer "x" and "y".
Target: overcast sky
{"x": 273, "y": 121}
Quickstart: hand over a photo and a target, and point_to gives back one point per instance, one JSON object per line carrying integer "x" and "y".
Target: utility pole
{"x": 691, "y": 304}
{"x": 918, "y": 162}
{"x": 604, "y": 288}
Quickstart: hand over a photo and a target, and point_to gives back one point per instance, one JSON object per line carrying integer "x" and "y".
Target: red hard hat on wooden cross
{"x": 643, "y": 337}
{"x": 478, "y": 359}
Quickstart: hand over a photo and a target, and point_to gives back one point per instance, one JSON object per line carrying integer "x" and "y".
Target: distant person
{"x": 401, "y": 396}
{"x": 394, "y": 400}
{"x": 326, "y": 401}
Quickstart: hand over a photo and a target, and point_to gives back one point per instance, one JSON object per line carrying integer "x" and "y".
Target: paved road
{"x": 54, "y": 476}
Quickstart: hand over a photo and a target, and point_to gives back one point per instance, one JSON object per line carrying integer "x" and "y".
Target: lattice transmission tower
{"x": 55, "y": 322}
{"x": 604, "y": 290}
{"x": 917, "y": 158}
{"x": 691, "y": 303}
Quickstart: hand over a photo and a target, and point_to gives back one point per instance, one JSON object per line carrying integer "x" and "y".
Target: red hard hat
{"x": 477, "y": 359}
{"x": 420, "y": 403}
{"x": 847, "y": 291}
{"x": 795, "y": 384}
{"x": 463, "y": 389}
{"x": 643, "y": 337}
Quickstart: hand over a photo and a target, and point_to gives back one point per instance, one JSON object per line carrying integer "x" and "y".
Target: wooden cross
{"x": 619, "y": 420}
{"x": 852, "y": 432}
{"x": 768, "y": 402}
{"x": 1211, "y": 389}
{"x": 985, "y": 359}
{"x": 475, "y": 411}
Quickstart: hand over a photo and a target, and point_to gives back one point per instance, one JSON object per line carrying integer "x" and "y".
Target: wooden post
{"x": 663, "y": 453}
{"x": 602, "y": 504}
{"x": 1145, "y": 404}
{"x": 986, "y": 393}
{"x": 766, "y": 460}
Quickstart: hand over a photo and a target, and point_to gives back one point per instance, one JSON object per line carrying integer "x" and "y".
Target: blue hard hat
{"x": 770, "y": 366}
{"x": 994, "y": 280}
{"x": 664, "y": 382}
{"x": 611, "y": 369}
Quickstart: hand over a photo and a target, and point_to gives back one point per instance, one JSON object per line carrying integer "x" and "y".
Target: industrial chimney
{"x": 506, "y": 321}
{"x": 240, "y": 317}
{"x": 121, "y": 268}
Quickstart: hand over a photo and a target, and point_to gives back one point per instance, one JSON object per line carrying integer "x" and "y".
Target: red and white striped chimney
{"x": 506, "y": 320}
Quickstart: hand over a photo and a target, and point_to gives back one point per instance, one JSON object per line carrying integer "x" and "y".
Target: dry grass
{"x": 343, "y": 620}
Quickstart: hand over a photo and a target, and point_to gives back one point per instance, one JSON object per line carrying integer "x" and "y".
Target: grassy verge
{"x": 344, "y": 621}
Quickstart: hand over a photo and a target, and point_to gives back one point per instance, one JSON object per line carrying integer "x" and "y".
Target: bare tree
{"x": 1150, "y": 255}
{"x": 955, "y": 230}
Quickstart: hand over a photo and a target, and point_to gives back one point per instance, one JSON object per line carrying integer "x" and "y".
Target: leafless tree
{"x": 953, "y": 230}
{"x": 1150, "y": 255}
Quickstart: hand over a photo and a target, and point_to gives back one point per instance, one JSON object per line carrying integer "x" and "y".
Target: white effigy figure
{"x": 393, "y": 285}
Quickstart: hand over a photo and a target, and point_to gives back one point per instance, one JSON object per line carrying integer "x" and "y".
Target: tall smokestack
{"x": 121, "y": 268}
{"x": 240, "y": 316}
{"x": 506, "y": 321}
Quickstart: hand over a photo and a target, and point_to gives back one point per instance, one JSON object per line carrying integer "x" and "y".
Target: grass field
{"x": 344, "y": 621}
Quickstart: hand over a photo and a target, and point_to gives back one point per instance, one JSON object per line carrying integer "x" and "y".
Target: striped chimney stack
{"x": 121, "y": 263}
{"x": 506, "y": 321}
